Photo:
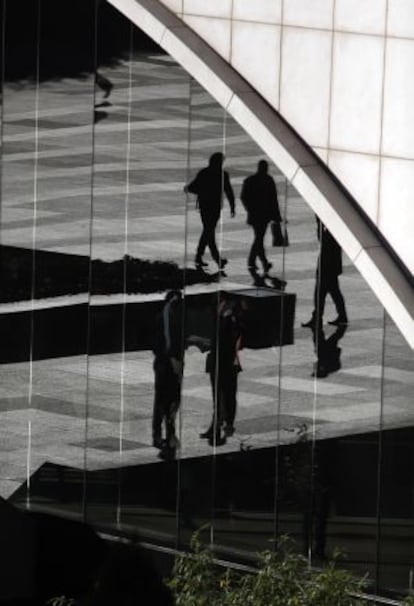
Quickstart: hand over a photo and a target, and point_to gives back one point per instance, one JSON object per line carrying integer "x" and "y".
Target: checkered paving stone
{"x": 111, "y": 445}
{"x": 139, "y": 208}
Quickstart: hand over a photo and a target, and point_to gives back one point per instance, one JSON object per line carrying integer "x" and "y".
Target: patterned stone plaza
{"x": 116, "y": 187}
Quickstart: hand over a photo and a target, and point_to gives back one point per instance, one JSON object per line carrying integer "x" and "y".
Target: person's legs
{"x": 159, "y": 404}
{"x": 230, "y": 402}
{"x": 173, "y": 406}
{"x": 257, "y": 248}
{"x": 260, "y": 234}
{"x": 321, "y": 290}
{"x": 214, "y": 431}
{"x": 208, "y": 238}
{"x": 209, "y": 432}
{"x": 201, "y": 248}
{"x": 319, "y": 297}
{"x": 338, "y": 299}
{"x": 210, "y": 232}
{"x": 251, "y": 259}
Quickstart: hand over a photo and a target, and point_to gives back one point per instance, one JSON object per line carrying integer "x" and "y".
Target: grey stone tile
{"x": 110, "y": 444}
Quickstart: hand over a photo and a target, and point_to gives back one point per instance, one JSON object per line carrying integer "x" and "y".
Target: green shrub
{"x": 283, "y": 579}
{"x": 195, "y": 580}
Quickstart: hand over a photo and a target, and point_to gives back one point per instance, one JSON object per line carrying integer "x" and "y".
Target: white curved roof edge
{"x": 391, "y": 284}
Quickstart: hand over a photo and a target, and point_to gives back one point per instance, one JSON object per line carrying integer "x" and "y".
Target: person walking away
{"x": 328, "y": 270}
{"x": 259, "y": 197}
{"x": 209, "y": 185}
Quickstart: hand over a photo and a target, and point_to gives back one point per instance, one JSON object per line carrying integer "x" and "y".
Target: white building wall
{"x": 341, "y": 73}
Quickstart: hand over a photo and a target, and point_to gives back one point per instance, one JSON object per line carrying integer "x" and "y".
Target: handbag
{"x": 279, "y": 237}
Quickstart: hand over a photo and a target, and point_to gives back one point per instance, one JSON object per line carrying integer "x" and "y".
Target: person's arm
{"x": 229, "y": 193}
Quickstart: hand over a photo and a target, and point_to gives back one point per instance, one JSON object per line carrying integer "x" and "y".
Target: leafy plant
{"x": 61, "y": 600}
{"x": 195, "y": 579}
{"x": 283, "y": 579}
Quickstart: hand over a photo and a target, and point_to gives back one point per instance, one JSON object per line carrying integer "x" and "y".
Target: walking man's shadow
{"x": 266, "y": 281}
{"x": 327, "y": 351}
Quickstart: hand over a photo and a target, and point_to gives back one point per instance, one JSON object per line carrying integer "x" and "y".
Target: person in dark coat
{"x": 259, "y": 197}
{"x": 328, "y": 270}
{"x": 168, "y": 351}
{"x": 208, "y": 185}
{"x": 223, "y": 366}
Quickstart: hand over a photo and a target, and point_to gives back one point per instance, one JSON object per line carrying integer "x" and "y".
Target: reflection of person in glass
{"x": 223, "y": 366}
{"x": 259, "y": 197}
{"x": 208, "y": 185}
{"x": 318, "y": 497}
{"x": 104, "y": 84}
{"x": 168, "y": 365}
{"x": 327, "y": 351}
{"x": 327, "y": 279}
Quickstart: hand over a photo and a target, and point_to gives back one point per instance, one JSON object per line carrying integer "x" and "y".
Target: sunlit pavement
{"x": 131, "y": 200}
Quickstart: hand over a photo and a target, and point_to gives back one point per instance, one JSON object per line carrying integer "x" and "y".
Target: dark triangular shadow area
{"x": 244, "y": 482}
{"x": 241, "y": 477}
{"x": 45, "y": 556}
{"x": 98, "y": 116}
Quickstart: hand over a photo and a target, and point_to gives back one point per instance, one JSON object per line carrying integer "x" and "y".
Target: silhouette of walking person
{"x": 259, "y": 197}
{"x": 328, "y": 270}
{"x": 209, "y": 185}
{"x": 168, "y": 365}
{"x": 223, "y": 366}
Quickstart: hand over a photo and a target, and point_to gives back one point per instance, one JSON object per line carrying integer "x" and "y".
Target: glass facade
{"x": 146, "y": 392}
